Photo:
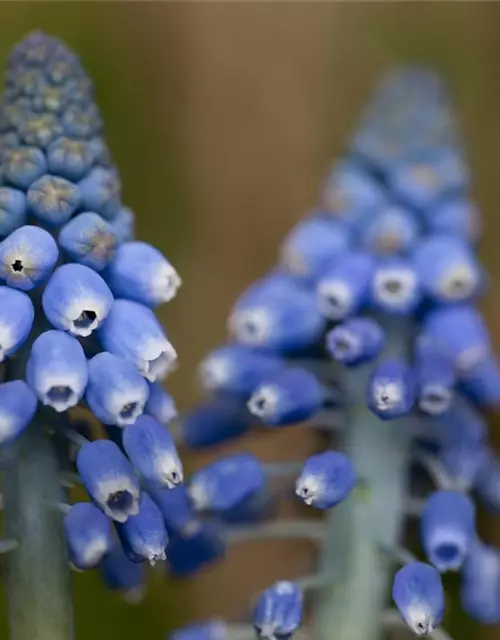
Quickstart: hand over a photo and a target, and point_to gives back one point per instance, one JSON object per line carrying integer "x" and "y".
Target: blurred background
{"x": 223, "y": 119}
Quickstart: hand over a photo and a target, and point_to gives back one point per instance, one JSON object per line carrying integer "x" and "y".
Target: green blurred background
{"x": 223, "y": 119}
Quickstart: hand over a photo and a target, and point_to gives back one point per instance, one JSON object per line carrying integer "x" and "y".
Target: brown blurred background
{"x": 223, "y": 118}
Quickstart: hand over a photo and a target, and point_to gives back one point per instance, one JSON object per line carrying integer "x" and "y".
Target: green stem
{"x": 358, "y": 573}
{"x": 38, "y": 574}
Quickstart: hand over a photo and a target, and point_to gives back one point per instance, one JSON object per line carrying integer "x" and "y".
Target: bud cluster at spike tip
{"x": 390, "y": 242}
{"x": 78, "y": 294}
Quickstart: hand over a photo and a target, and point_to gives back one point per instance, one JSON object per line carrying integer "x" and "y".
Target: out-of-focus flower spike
{"x": 456, "y": 217}
{"x": 435, "y": 379}
{"x": 480, "y": 588}
{"x": 144, "y": 536}
{"x": 57, "y": 370}
{"x": 213, "y": 422}
{"x": 351, "y": 194}
{"x": 395, "y": 287}
{"x": 101, "y": 190}
{"x": 27, "y": 257}
{"x": 343, "y": 289}
{"x": 141, "y": 273}
{"x": 326, "y": 479}
{"x": 152, "y": 451}
{"x": 109, "y": 479}
{"x": 236, "y": 370}
{"x": 69, "y": 158}
{"x": 116, "y": 392}
{"x": 448, "y": 269}
{"x": 226, "y": 483}
{"x": 422, "y": 181}
{"x": 287, "y": 397}
{"x": 121, "y": 574}
{"x": 391, "y": 391}
{"x": 17, "y": 408}
{"x": 160, "y": 404}
{"x": 278, "y": 611}
{"x": 76, "y": 299}
{"x": 460, "y": 333}
{"x": 276, "y": 314}
{"x": 53, "y": 200}
{"x": 13, "y": 210}
{"x": 313, "y": 245}
{"x": 197, "y": 546}
{"x": 124, "y": 224}
{"x": 419, "y": 595}
{"x": 16, "y": 319}
{"x": 447, "y": 529}
{"x": 355, "y": 341}
{"x": 392, "y": 230}
{"x": 88, "y": 535}
{"x": 89, "y": 240}
{"x": 22, "y": 166}
{"x": 133, "y": 332}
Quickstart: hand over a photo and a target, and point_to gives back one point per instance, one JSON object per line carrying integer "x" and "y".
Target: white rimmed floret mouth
{"x": 435, "y": 399}
{"x": 158, "y": 360}
{"x": 263, "y": 402}
{"x": 267, "y": 632}
{"x": 459, "y": 282}
{"x": 308, "y": 489}
{"x": 447, "y": 550}
{"x": 334, "y": 299}
{"x": 345, "y": 344}
{"x": 154, "y": 554}
{"x": 251, "y": 326}
{"x": 214, "y": 373}
{"x": 126, "y": 406}
{"x": 60, "y": 397}
{"x": 169, "y": 469}
{"x": 394, "y": 287}
{"x": 166, "y": 283}
{"x": 118, "y": 498}
{"x": 387, "y": 394}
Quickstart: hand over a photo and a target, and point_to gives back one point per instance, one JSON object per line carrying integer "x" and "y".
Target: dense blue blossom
{"x": 389, "y": 248}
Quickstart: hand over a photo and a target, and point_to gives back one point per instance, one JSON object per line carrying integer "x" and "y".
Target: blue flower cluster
{"x": 390, "y": 244}
{"x": 77, "y": 311}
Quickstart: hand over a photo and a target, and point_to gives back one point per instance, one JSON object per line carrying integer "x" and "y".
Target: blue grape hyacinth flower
{"x": 367, "y": 331}
{"x": 68, "y": 263}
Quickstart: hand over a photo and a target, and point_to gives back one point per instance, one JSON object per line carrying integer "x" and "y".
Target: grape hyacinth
{"x": 76, "y": 329}
{"x": 366, "y": 330}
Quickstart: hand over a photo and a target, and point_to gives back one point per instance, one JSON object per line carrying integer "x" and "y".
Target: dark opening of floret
{"x": 333, "y": 301}
{"x": 393, "y": 286}
{"x": 447, "y": 553}
{"x": 128, "y": 410}
{"x": 121, "y": 501}
{"x": 59, "y": 394}
{"x": 85, "y": 319}
{"x": 342, "y": 346}
{"x": 17, "y": 266}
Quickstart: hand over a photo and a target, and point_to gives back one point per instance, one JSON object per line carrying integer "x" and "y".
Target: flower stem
{"x": 359, "y": 573}
{"x": 38, "y": 575}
